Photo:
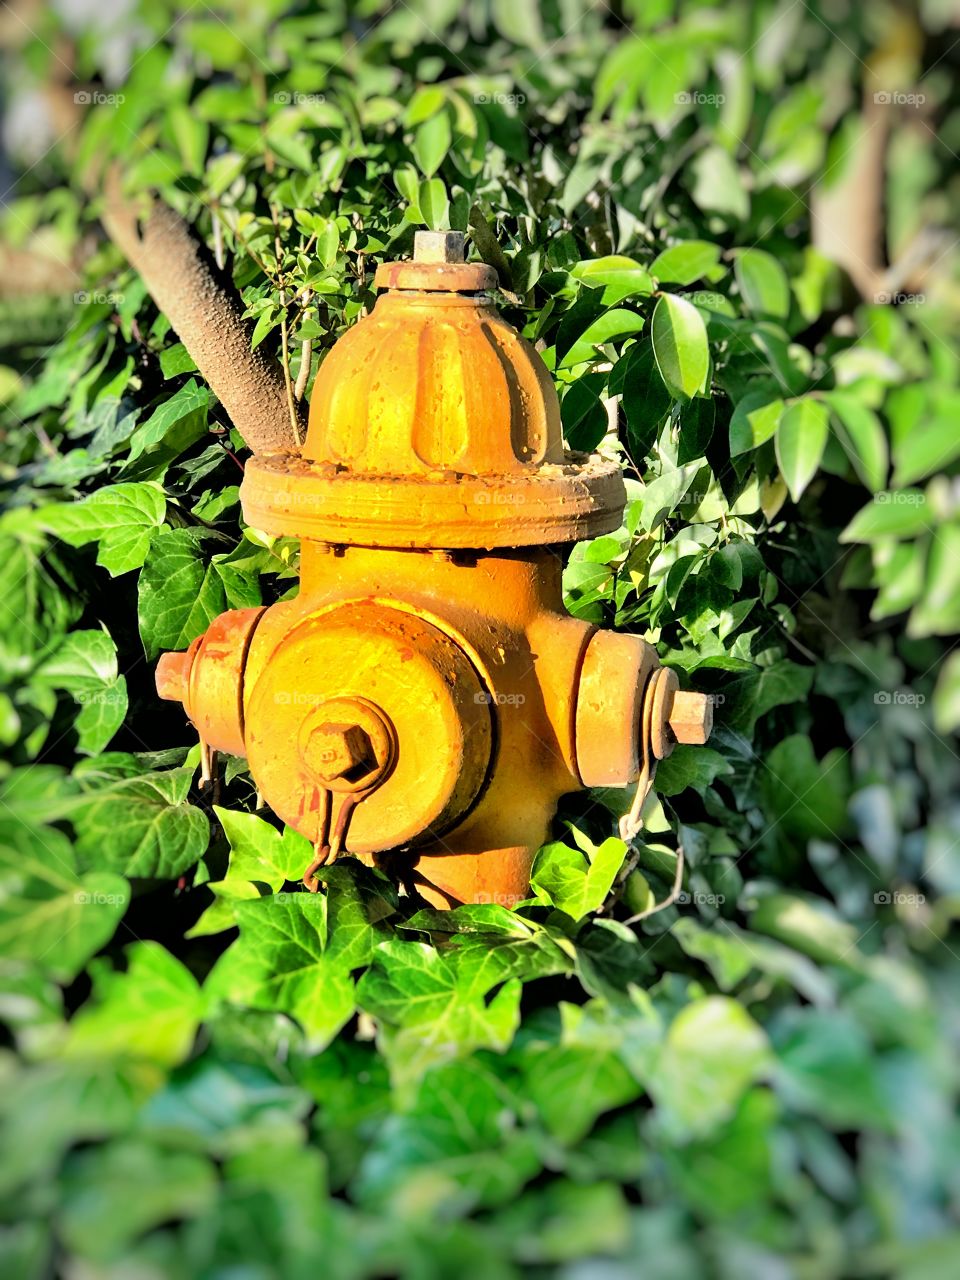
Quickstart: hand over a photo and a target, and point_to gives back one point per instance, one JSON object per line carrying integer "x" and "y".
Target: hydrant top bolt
{"x": 438, "y": 246}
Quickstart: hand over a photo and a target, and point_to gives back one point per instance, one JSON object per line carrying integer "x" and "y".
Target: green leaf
{"x": 434, "y": 1007}
{"x": 686, "y": 262}
{"x": 946, "y": 696}
{"x": 763, "y": 283}
{"x": 297, "y": 951}
{"x": 191, "y": 134}
{"x": 122, "y": 518}
{"x": 584, "y": 414}
{"x": 180, "y": 594}
{"x": 51, "y": 915}
{"x": 931, "y": 445}
{"x": 618, "y": 323}
{"x": 679, "y": 339}
{"x": 85, "y": 665}
{"x": 434, "y": 205}
{"x": 461, "y": 1145}
{"x": 827, "y": 1068}
{"x": 148, "y": 1013}
{"x": 801, "y": 440}
{"x": 646, "y": 401}
{"x": 185, "y": 413}
{"x": 695, "y": 767}
{"x": 142, "y": 826}
{"x": 259, "y": 856}
{"x": 619, "y": 277}
{"x": 431, "y": 142}
{"x": 903, "y": 513}
{"x": 938, "y": 611}
{"x": 803, "y": 795}
{"x": 113, "y": 1194}
{"x": 574, "y": 882}
{"x": 810, "y": 925}
{"x": 862, "y": 436}
{"x": 712, "y": 1053}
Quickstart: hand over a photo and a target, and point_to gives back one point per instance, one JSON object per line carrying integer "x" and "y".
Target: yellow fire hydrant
{"x": 426, "y": 700}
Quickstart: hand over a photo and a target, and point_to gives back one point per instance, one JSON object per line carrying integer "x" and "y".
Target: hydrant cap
{"x": 434, "y": 423}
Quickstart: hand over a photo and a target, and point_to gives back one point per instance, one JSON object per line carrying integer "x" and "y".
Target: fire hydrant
{"x": 426, "y": 700}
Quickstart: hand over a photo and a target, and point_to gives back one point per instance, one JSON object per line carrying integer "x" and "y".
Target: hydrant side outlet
{"x": 426, "y": 700}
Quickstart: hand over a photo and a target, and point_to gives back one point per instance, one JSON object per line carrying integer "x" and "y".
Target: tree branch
{"x": 206, "y": 311}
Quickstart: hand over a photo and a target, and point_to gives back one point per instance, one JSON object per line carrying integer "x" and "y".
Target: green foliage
{"x": 212, "y": 1072}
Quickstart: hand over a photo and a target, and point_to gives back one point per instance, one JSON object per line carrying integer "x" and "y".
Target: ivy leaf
{"x": 51, "y": 914}
{"x": 183, "y": 417}
{"x": 85, "y": 665}
{"x": 259, "y": 856}
{"x": 462, "y": 1136}
{"x": 297, "y": 951}
{"x": 149, "y": 1013}
{"x": 712, "y": 1053}
{"x": 142, "y": 826}
{"x": 575, "y": 882}
{"x": 679, "y": 339}
{"x": 434, "y": 1007}
{"x": 180, "y": 594}
{"x": 801, "y": 439}
{"x": 695, "y": 767}
{"x": 122, "y": 518}
{"x": 115, "y": 1193}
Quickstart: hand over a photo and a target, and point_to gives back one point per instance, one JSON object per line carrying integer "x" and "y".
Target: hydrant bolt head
{"x": 340, "y": 750}
{"x": 691, "y": 717}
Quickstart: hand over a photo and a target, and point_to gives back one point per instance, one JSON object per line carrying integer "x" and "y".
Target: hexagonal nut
{"x": 691, "y": 717}
{"x": 335, "y": 750}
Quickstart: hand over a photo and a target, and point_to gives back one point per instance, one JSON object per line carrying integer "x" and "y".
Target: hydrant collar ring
{"x": 285, "y": 494}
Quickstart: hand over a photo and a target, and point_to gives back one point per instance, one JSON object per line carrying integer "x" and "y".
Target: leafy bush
{"x": 210, "y": 1073}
